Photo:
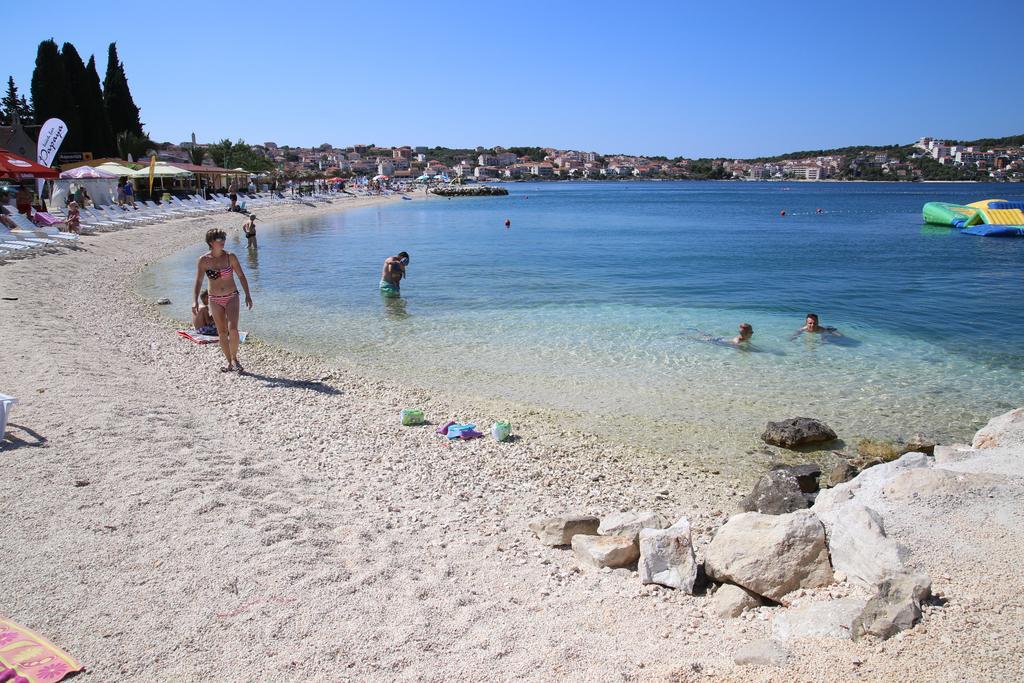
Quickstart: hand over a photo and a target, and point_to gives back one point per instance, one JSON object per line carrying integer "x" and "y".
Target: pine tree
{"x": 121, "y": 110}
{"x": 51, "y": 93}
{"x": 9, "y": 103}
{"x": 106, "y": 145}
{"x": 88, "y": 105}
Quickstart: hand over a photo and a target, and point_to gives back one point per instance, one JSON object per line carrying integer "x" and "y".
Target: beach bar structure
{"x": 185, "y": 177}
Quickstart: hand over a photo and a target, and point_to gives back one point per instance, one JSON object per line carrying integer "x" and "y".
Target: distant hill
{"x": 1009, "y": 141}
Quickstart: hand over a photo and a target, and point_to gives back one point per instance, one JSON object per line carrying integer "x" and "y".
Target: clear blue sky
{"x": 739, "y": 78}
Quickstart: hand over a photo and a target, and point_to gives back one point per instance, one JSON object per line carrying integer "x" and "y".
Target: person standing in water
{"x": 392, "y": 273}
{"x": 811, "y": 326}
{"x": 249, "y": 228}
{"x": 220, "y": 267}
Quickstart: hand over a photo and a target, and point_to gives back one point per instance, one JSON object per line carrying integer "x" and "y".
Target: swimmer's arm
{"x": 241, "y": 278}
{"x": 834, "y": 332}
{"x": 796, "y": 334}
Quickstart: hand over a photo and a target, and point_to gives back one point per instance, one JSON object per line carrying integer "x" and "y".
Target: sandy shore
{"x": 167, "y": 522}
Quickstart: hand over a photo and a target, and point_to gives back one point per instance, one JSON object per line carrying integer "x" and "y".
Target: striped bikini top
{"x": 214, "y": 274}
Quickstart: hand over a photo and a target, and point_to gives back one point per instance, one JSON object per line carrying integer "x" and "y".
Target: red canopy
{"x": 15, "y": 166}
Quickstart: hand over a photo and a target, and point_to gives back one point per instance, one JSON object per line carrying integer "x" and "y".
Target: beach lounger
{"x": 6, "y": 404}
{"x": 30, "y": 229}
{"x": 11, "y": 236}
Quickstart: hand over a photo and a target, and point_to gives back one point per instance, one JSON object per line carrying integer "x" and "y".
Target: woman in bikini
{"x": 220, "y": 267}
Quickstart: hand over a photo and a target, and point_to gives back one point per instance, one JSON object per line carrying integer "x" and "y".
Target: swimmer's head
{"x": 812, "y": 319}
{"x": 746, "y": 331}
{"x": 403, "y": 256}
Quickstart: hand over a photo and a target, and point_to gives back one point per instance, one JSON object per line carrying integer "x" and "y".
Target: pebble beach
{"x": 164, "y": 521}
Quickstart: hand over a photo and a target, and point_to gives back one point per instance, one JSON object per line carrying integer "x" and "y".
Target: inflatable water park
{"x": 987, "y": 218}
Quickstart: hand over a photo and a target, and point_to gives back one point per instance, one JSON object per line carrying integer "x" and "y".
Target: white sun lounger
{"x": 30, "y": 229}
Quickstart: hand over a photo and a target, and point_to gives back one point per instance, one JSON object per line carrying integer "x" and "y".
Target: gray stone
{"x": 797, "y": 431}
{"x": 163, "y": 301}
{"x": 666, "y": 557}
{"x": 832, "y": 619}
{"x": 730, "y": 601}
{"x": 919, "y": 443}
{"x": 775, "y": 493}
{"x": 841, "y": 472}
{"x": 560, "y": 530}
{"x": 894, "y": 608}
{"x": 807, "y": 476}
{"x": 858, "y": 545}
{"x": 598, "y": 552}
{"x": 770, "y": 555}
{"x": 762, "y": 653}
{"x": 630, "y": 523}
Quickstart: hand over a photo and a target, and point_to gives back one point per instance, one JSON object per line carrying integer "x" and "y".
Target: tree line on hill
{"x": 104, "y": 121}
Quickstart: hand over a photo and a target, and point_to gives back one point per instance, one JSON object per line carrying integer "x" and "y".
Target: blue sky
{"x": 740, "y": 79}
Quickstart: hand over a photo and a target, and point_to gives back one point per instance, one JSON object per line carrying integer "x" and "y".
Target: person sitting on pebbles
{"x": 202, "y": 319}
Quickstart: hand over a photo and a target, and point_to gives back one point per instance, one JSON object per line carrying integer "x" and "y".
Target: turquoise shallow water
{"x": 594, "y": 300}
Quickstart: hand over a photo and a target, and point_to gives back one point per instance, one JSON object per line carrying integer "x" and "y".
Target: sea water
{"x": 599, "y": 299}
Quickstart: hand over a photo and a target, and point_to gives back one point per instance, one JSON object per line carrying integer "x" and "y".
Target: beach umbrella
{"x": 87, "y": 173}
{"x": 116, "y": 169}
{"x": 16, "y": 166}
{"x": 380, "y": 177}
{"x": 160, "y": 171}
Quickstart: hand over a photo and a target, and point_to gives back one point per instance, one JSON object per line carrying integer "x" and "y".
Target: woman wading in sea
{"x": 220, "y": 267}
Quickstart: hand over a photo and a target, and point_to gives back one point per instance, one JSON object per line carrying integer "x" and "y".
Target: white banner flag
{"x": 50, "y": 136}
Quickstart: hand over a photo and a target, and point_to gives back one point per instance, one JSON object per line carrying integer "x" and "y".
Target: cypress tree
{"x": 88, "y": 104}
{"x": 104, "y": 135}
{"x": 14, "y": 105}
{"x": 51, "y": 93}
{"x": 117, "y": 98}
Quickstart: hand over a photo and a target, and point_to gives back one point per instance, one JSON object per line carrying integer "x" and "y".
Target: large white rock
{"x": 1005, "y": 430}
{"x": 560, "y": 530}
{"x": 598, "y": 552}
{"x": 858, "y": 544}
{"x": 867, "y": 485}
{"x": 730, "y": 601}
{"x": 911, "y": 484}
{"x": 630, "y": 523}
{"x": 666, "y": 557}
{"x": 832, "y": 619}
{"x": 770, "y": 555}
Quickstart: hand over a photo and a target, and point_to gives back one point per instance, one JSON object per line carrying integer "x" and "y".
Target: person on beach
{"x": 392, "y": 274}
{"x": 220, "y": 267}
{"x": 249, "y": 229}
{"x": 233, "y": 196}
{"x": 202, "y": 319}
{"x": 129, "y": 193}
{"x": 74, "y": 219}
{"x": 811, "y": 326}
{"x": 23, "y": 200}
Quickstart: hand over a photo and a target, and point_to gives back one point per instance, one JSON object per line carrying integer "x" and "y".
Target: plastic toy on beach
{"x": 501, "y": 430}
{"x": 412, "y": 416}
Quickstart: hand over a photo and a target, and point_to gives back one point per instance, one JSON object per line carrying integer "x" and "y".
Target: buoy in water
{"x": 782, "y": 213}
{"x": 819, "y": 211}
{"x": 508, "y": 223}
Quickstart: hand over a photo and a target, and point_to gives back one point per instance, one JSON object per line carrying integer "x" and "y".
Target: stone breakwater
{"x": 476, "y": 191}
{"x": 833, "y": 569}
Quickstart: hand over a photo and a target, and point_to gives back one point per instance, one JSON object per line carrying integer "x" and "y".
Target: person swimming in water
{"x": 740, "y": 341}
{"x": 392, "y": 273}
{"x": 811, "y": 326}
